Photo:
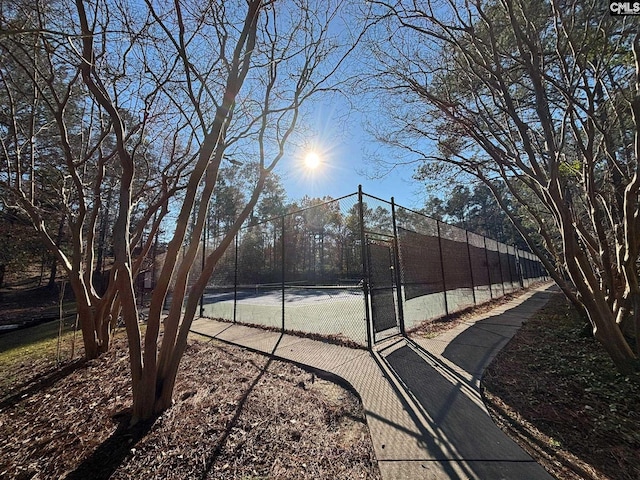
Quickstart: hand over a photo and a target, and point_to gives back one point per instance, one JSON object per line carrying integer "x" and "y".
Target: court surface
{"x": 325, "y": 310}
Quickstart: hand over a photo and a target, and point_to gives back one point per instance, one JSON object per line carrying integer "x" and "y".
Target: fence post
{"x": 486, "y": 256}
{"x": 235, "y": 281}
{"x": 519, "y": 268}
{"x": 283, "y": 272}
{"x": 398, "y": 273}
{"x": 509, "y": 270}
{"x": 473, "y": 287}
{"x": 365, "y": 269}
{"x": 500, "y": 267}
{"x": 511, "y": 279}
{"x": 204, "y": 256}
{"x": 444, "y": 283}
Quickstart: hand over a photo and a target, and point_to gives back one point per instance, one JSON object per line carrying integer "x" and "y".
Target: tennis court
{"x": 305, "y": 271}
{"x": 325, "y": 310}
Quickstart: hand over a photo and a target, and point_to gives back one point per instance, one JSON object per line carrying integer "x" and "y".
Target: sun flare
{"x": 312, "y": 160}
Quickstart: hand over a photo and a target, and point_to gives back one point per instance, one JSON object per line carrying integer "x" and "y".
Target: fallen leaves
{"x": 556, "y": 392}
{"x": 237, "y": 414}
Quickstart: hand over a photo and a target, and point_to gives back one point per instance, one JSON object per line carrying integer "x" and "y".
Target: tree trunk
{"x": 166, "y": 380}
{"x": 603, "y": 321}
{"x": 153, "y": 394}
{"x": 87, "y": 326}
{"x": 611, "y": 338}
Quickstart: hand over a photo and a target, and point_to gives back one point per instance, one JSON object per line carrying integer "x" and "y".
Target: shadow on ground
{"x": 106, "y": 459}
{"x": 35, "y": 385}
{"x": 109, "y": 455}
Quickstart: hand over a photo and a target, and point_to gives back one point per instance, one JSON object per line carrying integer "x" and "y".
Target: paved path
{"x": 421, "y": 398}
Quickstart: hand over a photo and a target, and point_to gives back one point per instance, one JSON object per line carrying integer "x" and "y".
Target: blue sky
{"x": 346, "y": 151}
{"x": 333, "y": 124}
{"x": 340, "y": 174}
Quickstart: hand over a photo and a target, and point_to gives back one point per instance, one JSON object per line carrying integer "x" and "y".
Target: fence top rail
{"x": 376, "y": 198}
{"x": 295, "y": 212}
{"x": 415, "y": 211}
{"x": 494, "y": 244}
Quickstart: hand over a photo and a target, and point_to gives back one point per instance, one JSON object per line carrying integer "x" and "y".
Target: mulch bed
{"x": 236, "y": 415}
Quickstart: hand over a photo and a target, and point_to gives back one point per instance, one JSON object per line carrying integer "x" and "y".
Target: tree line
{"x": 127, "y": 121}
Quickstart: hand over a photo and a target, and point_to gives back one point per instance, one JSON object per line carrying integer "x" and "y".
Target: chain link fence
{"x": 358, "y": 269}
{"x": 445, "y": 269}
{"x": 301, "y": 272}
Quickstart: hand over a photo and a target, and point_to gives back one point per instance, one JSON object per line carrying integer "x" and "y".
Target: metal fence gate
{"x": 382, "y": 281}
{"x": 357, "y": 268}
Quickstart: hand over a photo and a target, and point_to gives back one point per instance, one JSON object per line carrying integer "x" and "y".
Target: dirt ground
{"x": 236, "y": 415}
{"x": 555, "y": 391}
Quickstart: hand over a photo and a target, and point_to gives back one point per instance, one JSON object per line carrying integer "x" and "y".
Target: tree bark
{"x": 86, "y": 318}
{"x": 167, "y": 374}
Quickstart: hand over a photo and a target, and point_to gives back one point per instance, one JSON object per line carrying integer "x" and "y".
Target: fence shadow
{"x": 37, "y": 384}
{"x": 474, "y": 348}
{"x": 454, "y": 419}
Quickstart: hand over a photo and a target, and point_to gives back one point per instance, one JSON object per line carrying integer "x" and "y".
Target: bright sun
{"x": 312, "y": 160}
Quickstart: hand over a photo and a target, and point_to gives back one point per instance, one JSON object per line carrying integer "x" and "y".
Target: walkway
{"x": 421, "y": 399}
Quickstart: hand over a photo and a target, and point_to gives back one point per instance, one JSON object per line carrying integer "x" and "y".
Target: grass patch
{"x": 29, "y": 349}
{"x": 38, "y": 341}
{"x": 41, "y": 337}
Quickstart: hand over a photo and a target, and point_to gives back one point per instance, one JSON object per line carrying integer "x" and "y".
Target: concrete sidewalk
{"x": 421, "y": 398}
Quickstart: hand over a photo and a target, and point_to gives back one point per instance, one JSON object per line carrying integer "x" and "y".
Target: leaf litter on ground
{"x": 237, "y": 414}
